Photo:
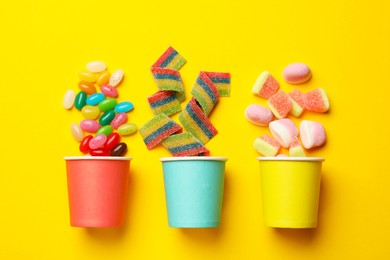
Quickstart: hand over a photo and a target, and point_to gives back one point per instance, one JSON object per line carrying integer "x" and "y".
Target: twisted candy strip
{"x": 184, "y": 144}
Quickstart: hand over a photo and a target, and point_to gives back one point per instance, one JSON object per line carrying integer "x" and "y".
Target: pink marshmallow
{"x": 296, "y": 73}
{"x": 312, "y": 134}
{"x": 283, "y": 130}
{"x": 258, "y": 115}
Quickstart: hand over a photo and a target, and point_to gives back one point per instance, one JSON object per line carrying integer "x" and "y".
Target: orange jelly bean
{"x": 88, "y": 76}
{"x": 87, "y": 87}
{"x": 103, "y": 78}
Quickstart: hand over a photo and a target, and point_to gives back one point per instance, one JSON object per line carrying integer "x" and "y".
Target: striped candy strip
{"x": 222, "y": 81}
{"x": 185, "y": 144}
{"x": 164, "y": 102}
{"x": 195, "y": 121}
{"x": 157, "y": 129}
{"x": 170, "y": 59}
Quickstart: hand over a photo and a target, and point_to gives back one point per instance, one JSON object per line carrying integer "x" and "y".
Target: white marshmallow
{"x": 312, "y": 134}
{"x": 283, "y": 130}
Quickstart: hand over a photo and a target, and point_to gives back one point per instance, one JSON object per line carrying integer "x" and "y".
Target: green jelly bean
{"x": 107, "y": 117}
{"x": 80, "y": 100}
{"x": 106, "y": 130}
{"x": 107, "y": 104}
{"x": 127, "y": 129}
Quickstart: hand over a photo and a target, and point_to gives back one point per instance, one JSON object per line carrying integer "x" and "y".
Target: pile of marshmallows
{"x": 283, "y": 130}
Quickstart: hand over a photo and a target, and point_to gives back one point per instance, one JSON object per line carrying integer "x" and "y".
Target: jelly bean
{"x": 119, "y": 150}
{"x": 68, "y": 100}
{"x": 87, "y": 76}
{"x": 90, "y": 112}
{"x": 80, "y": 100}
{"x": 116, "y": 78}
{"x": 125, "y": 106}
{"x": 95, "y": 99}
{"x": 107, "y": 104}
{"x": 99, "y": 152}
{"x": 109, "y": 91}
{"x": 103, "y": 78}
{"x": 107, "y": 117}
{"x": 89, "y": 125}
{"x": 127, "y": 129}
{"x": 119, "y": 120}
{"x": 87, "y": 87}
{"x": 77, "y": 132}
{"x": 112, "y": 140}
{"x": 106, "y": 130}
{"x": 84, "y": 145}
{"x": 98, "y": 141}
{"x": 96, "y": 66}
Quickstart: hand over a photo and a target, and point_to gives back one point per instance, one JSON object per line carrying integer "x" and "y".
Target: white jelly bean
{"x": 96, "y": 66}
{"x": 77, "y": 132}
{"x": 116, "y": 78}
{"x": 68, "y": 100}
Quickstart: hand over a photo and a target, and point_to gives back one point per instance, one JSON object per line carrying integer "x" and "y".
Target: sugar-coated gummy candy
{"x": 124, "y": 107}
{"x": 89, "y": 125}
{"x": 106, "y": 130}
{"x": 107, "y": 104}
{"x": 77, "y": 132}
{"x": 116, "y": 78}
{"x": 107, "y": 117}
{"x": 96, "y": 66}
{"x": 280, "y": 104}
{"x": 95, "y": 99}
{"x": 98, "y": 141}
{"x": 84, "y": 145}
{"x": 87, "y": 76}
{"x": 112, "y": 140}
{"x": 68, "y": 99}
{"x": 109, "y": 91}
{"x": 119, "y": 150}
{"x": 87, "y": 87}
{"x": 99, "y": 152}
{"x": 127, "y": 129}
{"x": 119, "y": 119}
{"x": 80, "y": 100}
{"x": 103, "y": 78}
{"x": 90, "y": 112}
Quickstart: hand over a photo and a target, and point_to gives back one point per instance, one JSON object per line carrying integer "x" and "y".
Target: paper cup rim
{"x": 97, "y": 158}
{"x": 194, "y": 158}
{"x": 297, "y": 159}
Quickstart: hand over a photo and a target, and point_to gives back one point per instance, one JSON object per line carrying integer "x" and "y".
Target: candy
{"x": 109, "y": 91}
{"x": 296, "y": 149}
{"x": 169, "y": 80}
{"x": 124, "y": 107}
{"x": 164, "y": 102}
{"x": 90, "y": 112}
{"x": 89, "y": 125}
{"x": 96, "y": 66}
{"x": 80, "y": 100}
{"x": 127, "y": 129}
{"x": 119, "y": 150}
{"x": 99, "y": 152}
{"x": 107, "y": 104}
{"x": 258, "y": 115}
{"x": 283, "y": 130}
{"x": 265, "y": 85}
{"x": 205, "y": 92}
{"x": 87, "y": 87}
{"x": 98, "y": 141}
{"x": 266, "y": 145}
{"x": 119, "y": 120}
{"x": 77, "y": 132}
{"x": 184, "y": 144}
{"x": 112, "y": 140}
{"x": 68, "y": 99}
{"x": 312, "y": 134}
{"x": 103, "y": 78}
{"x": 84, "y": 145}
{"x": 297, "y": 103}
{"x": 281, "y": 155}
{"x": 116, "y": 78}
{"x": 107, "y": 117}
{"x": 87, "y": 76}
{"x": 296, "y": 73}
{"x": 106, "y": 130}
{"x": 316, "y": 100}
{"x": 170, "y": 59}
{"x": 279, "y": 104}
{"x": 95, "y": 99}
{"x": 221, "y": 81}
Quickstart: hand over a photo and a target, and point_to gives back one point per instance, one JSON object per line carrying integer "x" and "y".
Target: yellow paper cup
{"x": 290, "y": 191}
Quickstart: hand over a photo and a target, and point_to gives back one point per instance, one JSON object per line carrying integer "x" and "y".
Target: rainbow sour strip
{"x": 185, "y": 144}
{"x": 170, "y": 59}
{"x": 164, "y": 102}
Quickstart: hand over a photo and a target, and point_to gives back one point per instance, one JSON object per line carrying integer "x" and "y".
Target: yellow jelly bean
{"x": 90, "y": 112}
{"x": 103, "y": 78}
{"x": 127, "y": 129}
{"x": 88, "y": 76}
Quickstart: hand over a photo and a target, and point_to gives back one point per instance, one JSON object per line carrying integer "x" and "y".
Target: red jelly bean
{"x": 112, "y": 140}
{"x": 84, "y": 145}
{"x": 99, "y": 152}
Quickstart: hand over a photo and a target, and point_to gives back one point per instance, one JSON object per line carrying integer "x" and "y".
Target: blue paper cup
{"x": 194, "y": 190}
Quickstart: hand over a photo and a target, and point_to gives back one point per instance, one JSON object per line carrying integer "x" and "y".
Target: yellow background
{"x": 44, "y": 44}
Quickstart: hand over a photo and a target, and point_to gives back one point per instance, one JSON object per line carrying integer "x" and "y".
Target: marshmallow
{"x": 280, "y": 104}
{"x": 283, "y": 130}
{"x": 265, "y": 85}
{"x": 281, "y": 155}
{"x": 316, "y": 100}
{"x": 312, "y": 134}
{"x": 296, "y": 149}
{"x": 266, "y": 145}
{"x": 296, "y": 73}
{"x": 258, "y": 115}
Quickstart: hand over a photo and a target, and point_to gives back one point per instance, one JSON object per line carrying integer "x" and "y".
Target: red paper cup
{"x": 97, "y": 189}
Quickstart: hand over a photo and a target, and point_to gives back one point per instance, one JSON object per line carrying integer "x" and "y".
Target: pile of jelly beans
{"x": 103, "y": 114}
